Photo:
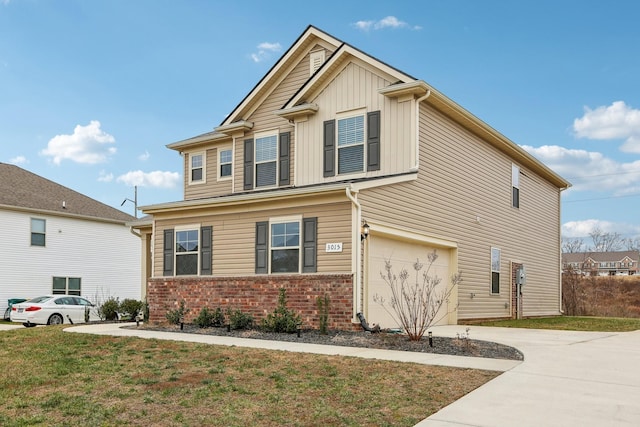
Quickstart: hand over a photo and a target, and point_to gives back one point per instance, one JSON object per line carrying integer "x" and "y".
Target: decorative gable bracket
{"x": 405, "y": 91}
{"x": 236, "y": 128}
{"x": 298, "y": 113}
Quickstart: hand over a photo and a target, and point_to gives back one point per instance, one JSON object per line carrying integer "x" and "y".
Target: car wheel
{"x": 7, "y": 313}
{"x": 55, "y": 319}
{"x": 28, "y": 325}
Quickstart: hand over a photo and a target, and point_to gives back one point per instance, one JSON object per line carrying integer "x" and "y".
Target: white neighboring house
{"x": 56, "y": 240}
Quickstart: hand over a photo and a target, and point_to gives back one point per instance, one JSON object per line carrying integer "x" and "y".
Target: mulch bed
{"x": 463, "y": 346}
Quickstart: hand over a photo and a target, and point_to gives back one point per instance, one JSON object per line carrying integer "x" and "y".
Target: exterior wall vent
{"x": 317, "y": 59}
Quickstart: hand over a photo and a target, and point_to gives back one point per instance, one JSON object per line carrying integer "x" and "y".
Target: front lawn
{"x": 571, "y": 323}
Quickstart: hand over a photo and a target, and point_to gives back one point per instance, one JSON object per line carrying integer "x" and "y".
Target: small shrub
{"x": 282, "y": 319}
{"x": 108, "y": 310}
{"x": 131, "y": 308}
{"x": 176, "y": 316}
{"x": 208, "y": 318}
{"x": 239, "y": 320}
{"x": 323, "y": 311}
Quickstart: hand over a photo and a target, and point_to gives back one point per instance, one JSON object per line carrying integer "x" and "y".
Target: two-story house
{"x": 615, "y": 263}
{"x": 334, "y": 163}
{"x": 57, "y": 241}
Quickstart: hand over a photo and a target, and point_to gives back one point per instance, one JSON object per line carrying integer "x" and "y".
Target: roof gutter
{"x": 356, "y": 241}
{"x": 418, "y": 101}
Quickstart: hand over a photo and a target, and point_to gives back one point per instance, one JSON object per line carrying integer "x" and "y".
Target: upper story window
{"x": 515, "y": 186}
{"x": 495, "y": 270}
{"x": 225, "y": 162}
{"x": 38, "y": 232}
{"x": 266, "y": 160}
{"x": 196, "y": 168}
{"x": 353, "y": 143}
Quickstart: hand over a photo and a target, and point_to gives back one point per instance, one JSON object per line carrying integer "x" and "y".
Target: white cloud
{"x": 582, "y": 229}
{"x": 387, "y": 22}
{"x": 144, "y": 156}
{"x": 105, "y": 177}
{"x": 265, "y": 50}
{"x": 156, "y": 179}
{"x": 589, "y": 170}
{"x": 18, "y": 160}
{"x": 88, "y": 144}
{"x": 616, "y": 121}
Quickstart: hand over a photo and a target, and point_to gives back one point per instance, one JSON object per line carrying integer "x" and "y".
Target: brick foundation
{"x": 255, "y": 295}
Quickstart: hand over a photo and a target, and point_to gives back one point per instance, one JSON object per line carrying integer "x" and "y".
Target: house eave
{"x": 61, "y": 214}
{"x": 197, "y": 141}
{"x": 298, "y": 112}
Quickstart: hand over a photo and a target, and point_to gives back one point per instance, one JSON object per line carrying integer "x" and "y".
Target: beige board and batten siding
{"x": 463, "y": 194}
{"x": 211, "y": 186}
{"x": 356, "y": 87}
{"x": 234, "y": 231}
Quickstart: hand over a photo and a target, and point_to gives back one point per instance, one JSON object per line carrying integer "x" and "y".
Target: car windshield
{"x": 40, "y": 299}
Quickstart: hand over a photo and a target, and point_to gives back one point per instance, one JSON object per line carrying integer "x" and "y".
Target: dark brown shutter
{"x": 248, "y": 164}
{"x": 206, "y": 244}
{"x": 309, "y": 246}
{"x": 283, "y": 156}
{"x": 167, "y": 268}
{"x": 262, "y": 236}
{"x": 329, "y": 148}
{"x": 373, "y": 141}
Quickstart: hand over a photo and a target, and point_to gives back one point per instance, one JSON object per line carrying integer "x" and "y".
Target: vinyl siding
{"x": 356, "y": 87}
{"x": 234, "y": 234}
{"x": 211, "y": 187}
{"x": 105, "y": 256}
{"x": 463, "y": 194}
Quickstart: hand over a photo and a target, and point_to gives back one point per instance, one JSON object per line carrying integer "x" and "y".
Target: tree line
{"x": 601, "y": 242}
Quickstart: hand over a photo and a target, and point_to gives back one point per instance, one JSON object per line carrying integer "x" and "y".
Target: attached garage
{"x": 403, "y": 250}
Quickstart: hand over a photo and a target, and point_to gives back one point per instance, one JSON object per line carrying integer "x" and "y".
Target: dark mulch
{"x": 463, "y": 346}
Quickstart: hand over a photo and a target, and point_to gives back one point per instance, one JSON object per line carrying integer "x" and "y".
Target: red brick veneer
{"x": 256, "y": 295}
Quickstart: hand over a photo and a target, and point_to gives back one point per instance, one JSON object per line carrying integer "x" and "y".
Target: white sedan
{"x": 53, "y": 310}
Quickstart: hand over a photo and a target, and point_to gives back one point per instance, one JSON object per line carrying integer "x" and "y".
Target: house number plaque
{"x": 333, "y": 247}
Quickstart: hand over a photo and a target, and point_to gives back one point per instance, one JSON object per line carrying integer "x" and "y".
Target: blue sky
{"x": 91, "y": 91}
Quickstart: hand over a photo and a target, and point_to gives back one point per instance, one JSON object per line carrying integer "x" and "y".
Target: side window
{"x": 495, "y": 270}
{"x": 38, "y": 232}
{"x": 225, "y": 163}
{"x": 67, "y": 285}
{"x": 196, "y": 168}
{"x": 515, "y": 186}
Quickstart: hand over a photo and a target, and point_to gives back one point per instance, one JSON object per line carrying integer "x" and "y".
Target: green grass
{"x": 570, "y": 323}
{"x": 55, "y": 378}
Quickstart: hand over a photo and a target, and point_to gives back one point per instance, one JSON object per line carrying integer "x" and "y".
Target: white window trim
{"x": 345, "y": 115}
{"x": 204, "y": 167}
{"x": 515, "y": 183}
{"x": 265, "y": 134}
{"x": 177, "y": 229}
{"x": 37, "y": 232}
{"x": 495, "y": 271}
{"x": 66, "y": 284}
{"x": 282, "y": 220}
{"x": 220, "y": 150}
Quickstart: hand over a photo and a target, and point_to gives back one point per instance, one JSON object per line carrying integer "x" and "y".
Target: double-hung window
{"x": 38, "y": 232}
{"x": 266, "y": 160}
{"x": 187, "y": 250}
{"x": 285, "y": 247}
{"x": 66, "y": 285}
{"x": 225, "y": 162}
{"x": 196, "y": 168}
{"x": 187, "y": 244}
{"x": 515, "y": 186}
{"x": 351, "y": 144}
{"x": 495, "y": 270}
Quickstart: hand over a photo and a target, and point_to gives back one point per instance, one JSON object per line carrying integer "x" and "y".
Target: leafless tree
{"x": 570, "y": 246}
{"x": 631, "y": 244}
{"x": 605, "y": 242}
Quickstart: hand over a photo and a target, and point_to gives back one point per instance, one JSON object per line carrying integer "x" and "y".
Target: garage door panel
{"x": 401, "y": 254}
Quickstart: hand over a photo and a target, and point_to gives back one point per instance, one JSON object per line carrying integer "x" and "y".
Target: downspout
{"x": 418, "y": 101}
{"x": 357, "y": 306}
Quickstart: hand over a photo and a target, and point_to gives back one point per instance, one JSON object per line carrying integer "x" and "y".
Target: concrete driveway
{"x": 567, "y": 379}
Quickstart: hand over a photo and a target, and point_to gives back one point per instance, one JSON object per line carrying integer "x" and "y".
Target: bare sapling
{"x": 415, "y": 306}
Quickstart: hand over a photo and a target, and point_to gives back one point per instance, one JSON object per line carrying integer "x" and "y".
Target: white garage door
{"x": 402, "y": 254}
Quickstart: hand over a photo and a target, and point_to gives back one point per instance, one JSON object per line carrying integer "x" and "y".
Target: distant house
{"x": 334, "y": 163}
{"x": 56, "y": 240}
{"x": 623, "y": 263}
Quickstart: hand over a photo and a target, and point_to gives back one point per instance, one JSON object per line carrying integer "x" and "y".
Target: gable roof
{"x": 600, "y": 256}
{"x": 23, "y": 190}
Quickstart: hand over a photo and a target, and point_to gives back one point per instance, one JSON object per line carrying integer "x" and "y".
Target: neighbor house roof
{"x": 23, "y": 190}
{"x": 600, "y": 256}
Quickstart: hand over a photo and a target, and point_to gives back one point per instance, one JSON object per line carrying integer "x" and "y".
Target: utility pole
{"x": 134, "y": 201}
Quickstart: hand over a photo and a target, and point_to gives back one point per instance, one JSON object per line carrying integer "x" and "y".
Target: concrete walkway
{"x": 567, "y": 378}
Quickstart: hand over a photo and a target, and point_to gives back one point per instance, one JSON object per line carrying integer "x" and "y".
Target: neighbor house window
{"x": 285, "y": 247}
{"x": 66, "y": 285}
{"x": 515, "y": 186}
{"x": 225, "y": 162}
{"x": 266, "y": 160}
{"x": 196, "y": 168}
{"x": 351, "y": 144}
{"x": 495, "y": 270}
{"x": 187, "y": 252}
{"x": 38, "y": 232}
